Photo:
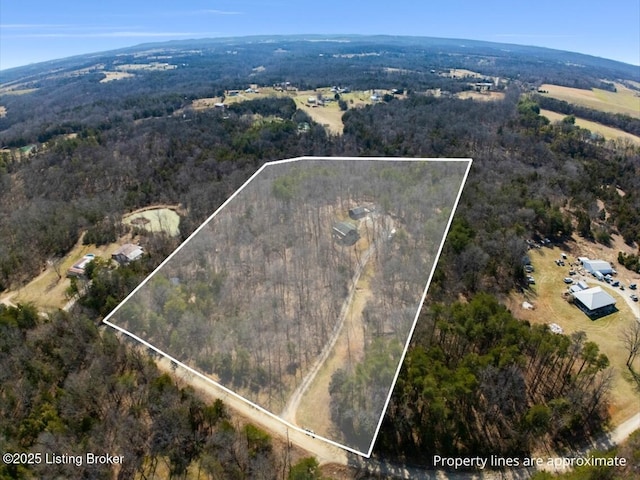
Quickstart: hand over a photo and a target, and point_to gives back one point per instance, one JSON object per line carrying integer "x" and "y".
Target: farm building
{"x": 358, "y": 212}
{"x": 127, "y": 253}
{"x": 346, "y": 233}
{"x": 78, "y": 268}
{"x": 595, "y": 302}
{"x": 593, "y": 266}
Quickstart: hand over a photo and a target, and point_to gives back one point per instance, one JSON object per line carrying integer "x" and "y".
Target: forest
{"x": 133, "y": 143}
{"x": 264, "y": 286}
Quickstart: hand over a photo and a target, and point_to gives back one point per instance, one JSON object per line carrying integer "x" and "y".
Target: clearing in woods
{"x": 624, "y": 100}
{"x": 551, "y": 307}
{"x": 303, "y": 287}
{"x": 49, "y": 289}
{"x": 609, "y": 133}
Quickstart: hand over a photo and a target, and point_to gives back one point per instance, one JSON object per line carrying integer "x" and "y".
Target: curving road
{"x": 290, "y": 409}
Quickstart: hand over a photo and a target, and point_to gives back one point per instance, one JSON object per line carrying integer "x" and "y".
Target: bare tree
{"x": 630, "y": 337}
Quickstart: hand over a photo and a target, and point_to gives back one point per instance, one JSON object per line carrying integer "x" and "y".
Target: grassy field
{"x": 625, "y": 100}
{"x": 155, "y": 220}
{"x": 485, "y": 97}
{"x": 609, "y": 133}
{"x": 111, "y": 76}
{"x": 551, "y": 307}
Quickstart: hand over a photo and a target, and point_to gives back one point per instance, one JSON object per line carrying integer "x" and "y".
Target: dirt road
{"x": 290, "y": 409}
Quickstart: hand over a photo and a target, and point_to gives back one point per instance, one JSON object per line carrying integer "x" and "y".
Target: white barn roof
{"x": 601, "y": 266}
{"x": 594, "y": 298}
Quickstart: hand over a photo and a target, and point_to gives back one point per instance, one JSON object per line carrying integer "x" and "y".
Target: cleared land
{"x": 153, "y": 66}
{"x": 609, "y": 133}
{"x": 48, "y": 290}
{"x": 155, "y": 219}
{"x": 483, "y": 96}
{"x": 323, "y": 110}
{"x": 551, "y": 307}
{"x": 111, "y": 76}
{"x": 625, "y": 100}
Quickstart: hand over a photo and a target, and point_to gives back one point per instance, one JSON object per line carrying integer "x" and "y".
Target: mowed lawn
{"x": 609, "y": 133}
{"x": 551, "y": 307}
{"x": 625, "y": 100}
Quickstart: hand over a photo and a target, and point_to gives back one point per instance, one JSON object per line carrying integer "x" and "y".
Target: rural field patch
{"x": 299, "y": 295}
{"x": 625, "y": 100}
{"x": 609, "y": 133}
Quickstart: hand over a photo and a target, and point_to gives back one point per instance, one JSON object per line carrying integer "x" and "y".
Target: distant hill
{"x": 398, "y": 50}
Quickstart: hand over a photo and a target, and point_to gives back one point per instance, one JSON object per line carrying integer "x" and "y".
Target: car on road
{"x": 633, "y": 297}
{"x": 568, "y": 280}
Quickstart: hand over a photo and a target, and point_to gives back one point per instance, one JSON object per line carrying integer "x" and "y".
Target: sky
{"x": 38, "y": 30}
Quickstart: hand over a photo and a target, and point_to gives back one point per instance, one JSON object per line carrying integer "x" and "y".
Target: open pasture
{"x": 625, "y": 100}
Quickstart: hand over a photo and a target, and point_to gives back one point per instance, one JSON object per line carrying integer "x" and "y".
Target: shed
{"x": 346, "y": 233}
{"x": 595, "y": 302}
{"x": 593, "y": 266}
{"x": 358, "y": 212}
{"x": 127, "y": 253}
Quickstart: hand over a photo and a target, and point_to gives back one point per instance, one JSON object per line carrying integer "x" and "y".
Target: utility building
{"x": 595, "y": 302}
{"x": 346, "y": 233}
{"x": 593, "y": 266}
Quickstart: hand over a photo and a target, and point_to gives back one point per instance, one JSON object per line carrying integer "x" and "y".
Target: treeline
{"x": 625, "y": 123}
{"x": 478, "y": 382}
{"x": 69, "y": 388}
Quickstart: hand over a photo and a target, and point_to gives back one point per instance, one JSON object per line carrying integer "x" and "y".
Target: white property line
{"x": 367, "y": 454}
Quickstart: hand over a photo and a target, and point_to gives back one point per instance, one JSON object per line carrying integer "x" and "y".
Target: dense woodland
{"x": 136, "y": 146}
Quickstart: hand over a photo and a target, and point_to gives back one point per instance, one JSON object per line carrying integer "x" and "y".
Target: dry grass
{"x": 551, "y": 307}
{"x": 609, "y": 133}
{"x": 160, "y": 219}
{"x": 463, "y": 73}
{"x": 48, "y": 291}
{"x": 21, "y": 91}
{"x": 314, "y": 410}
{"x": 111, "y": 76}
{"x": 483, "y": 96}
{"x": 625, "y": 100}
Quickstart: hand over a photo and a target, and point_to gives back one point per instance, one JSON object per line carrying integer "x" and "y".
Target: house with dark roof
{"x": 595, "y": 302}
{"x": 346, "y": 233}
{"x": 358, "y": 212}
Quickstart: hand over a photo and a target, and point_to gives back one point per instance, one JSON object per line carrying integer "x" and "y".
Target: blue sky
{"x": 38, "y": 30}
